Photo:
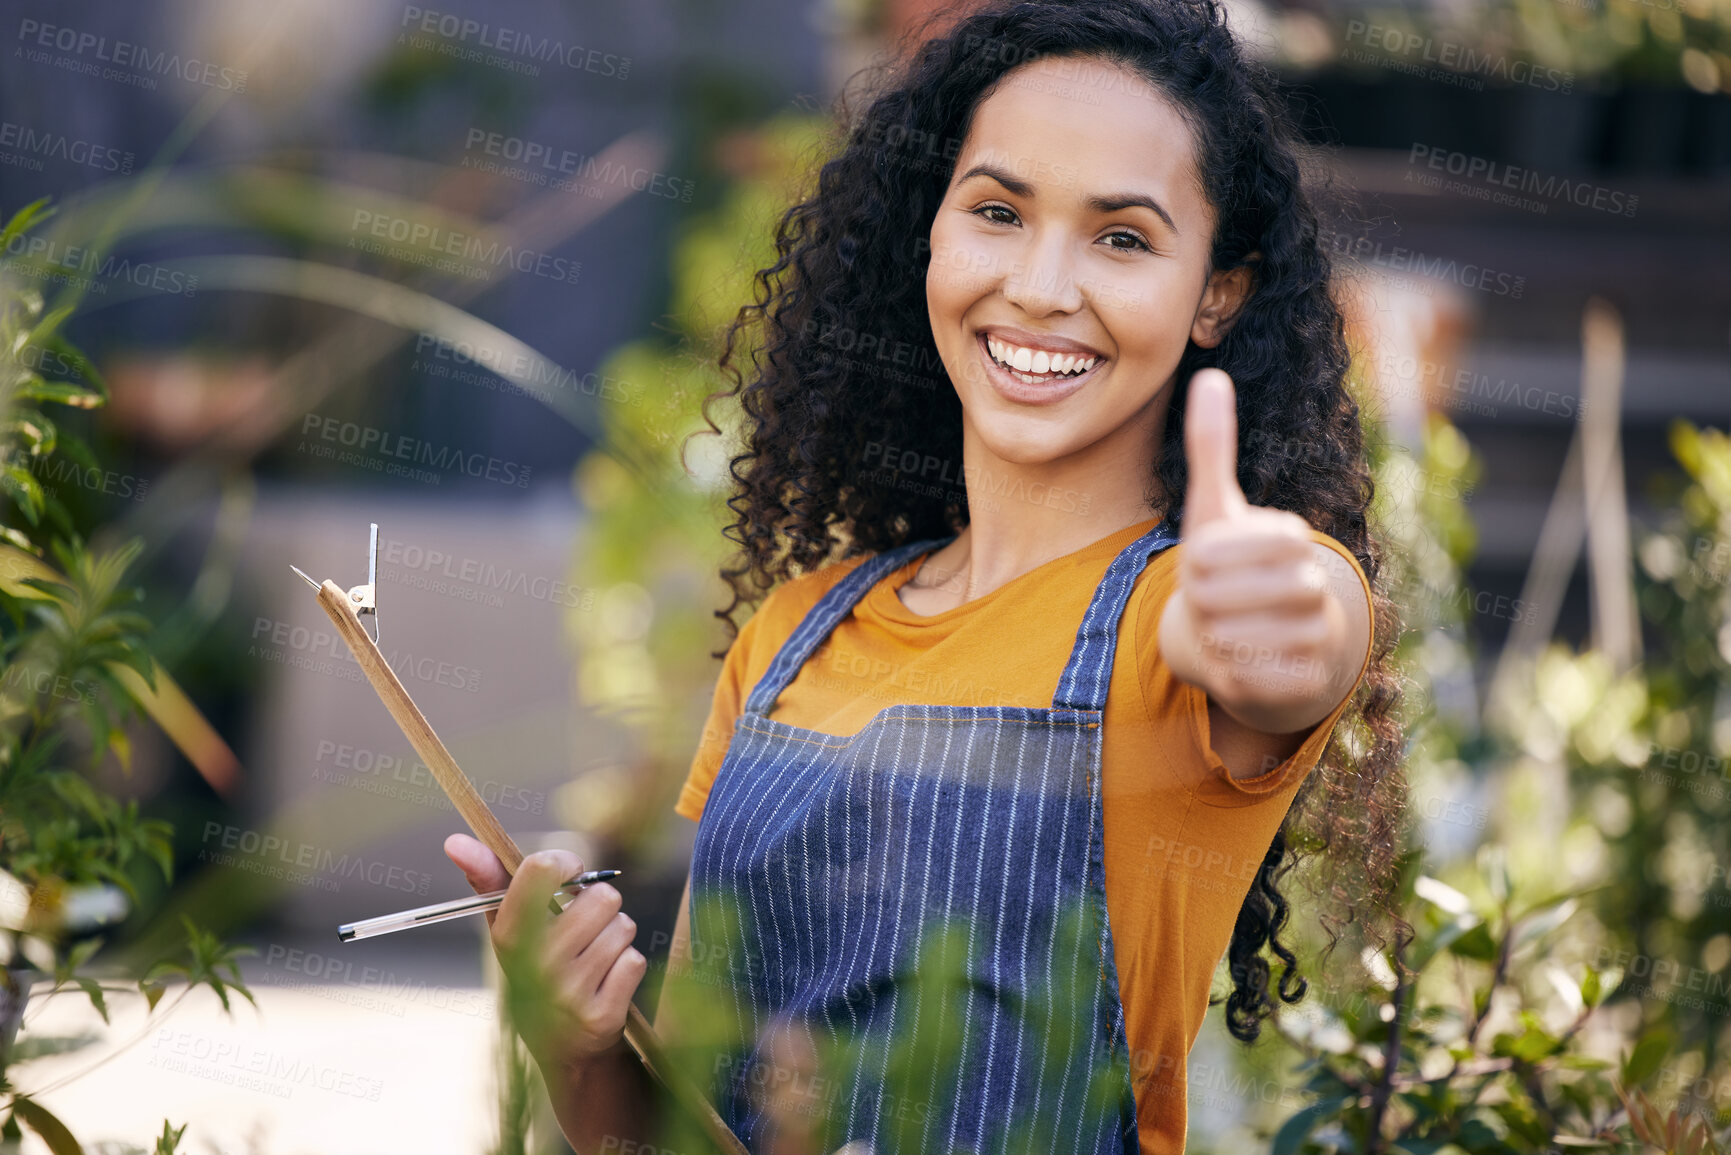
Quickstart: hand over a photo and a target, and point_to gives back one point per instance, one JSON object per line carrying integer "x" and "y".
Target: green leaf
{"x": 1494, "y": 867}
{"x": 25, "y": 491}
{"x": 170, "y": 1138}
{"x": 51, "y": 590}
{"x": 141, "y": 662}
{"x": 84, "y": 366}
{"x": 26, "y": 219}
{"x": 1445, "y": 936}
{"x": 43, "y": 1121}
{"x": 49, "y": 326}
{"x": 1531, "y": 1045}
{"x": 72, "y": 446}
{"x": 1292, "y": 1134}
{"x": 33, "y": 429}
{"x": 41, "y": 1046}
{"x": 1543, "y": 919}
{"x": 81, "y": 952}
{"x": 93, "y": 990}
{"x": 1646, "y": 1057}
{"x": 61, "y": 393}
{"x": 1476, "y": 943}
{"x": 212, "y": 964}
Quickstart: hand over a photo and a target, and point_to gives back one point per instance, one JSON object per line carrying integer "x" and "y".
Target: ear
{"x": 1222, "y": 298}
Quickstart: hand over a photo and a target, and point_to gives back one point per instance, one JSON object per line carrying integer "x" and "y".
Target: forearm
{"x": 604, "y": 1104}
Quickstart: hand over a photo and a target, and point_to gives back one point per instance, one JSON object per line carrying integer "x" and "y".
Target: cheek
{"x": 963, "y": 268}
{"x": 1147, "y": 314}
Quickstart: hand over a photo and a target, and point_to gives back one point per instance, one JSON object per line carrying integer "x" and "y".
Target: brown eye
{"x": 1136, "y": 242}
{"x": 1008, "y": 217}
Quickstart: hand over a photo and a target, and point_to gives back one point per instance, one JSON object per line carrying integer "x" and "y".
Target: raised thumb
{"x": 1211, "y": 450}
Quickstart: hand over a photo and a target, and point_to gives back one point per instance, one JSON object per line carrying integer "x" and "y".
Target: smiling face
{"x": 1070, "y": 265}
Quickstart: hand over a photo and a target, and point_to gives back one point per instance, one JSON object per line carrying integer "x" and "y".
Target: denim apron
{"x": 821, "y": 863}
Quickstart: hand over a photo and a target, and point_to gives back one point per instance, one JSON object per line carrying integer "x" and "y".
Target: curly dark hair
{"x": 839, "y": 333}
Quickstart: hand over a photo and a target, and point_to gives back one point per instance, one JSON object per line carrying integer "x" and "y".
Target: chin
{"x": 1025, "y": 442}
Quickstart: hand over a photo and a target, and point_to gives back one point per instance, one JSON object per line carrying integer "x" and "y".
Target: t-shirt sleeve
{"x": 1167, "y": 695}
{"x": 724, "y": 710}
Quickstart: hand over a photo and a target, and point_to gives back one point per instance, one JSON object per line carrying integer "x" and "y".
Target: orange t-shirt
{"x": 1183, "y": 839}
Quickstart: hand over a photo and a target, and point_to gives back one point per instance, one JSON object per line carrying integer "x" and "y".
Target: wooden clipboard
{"x": 344, "y": 609}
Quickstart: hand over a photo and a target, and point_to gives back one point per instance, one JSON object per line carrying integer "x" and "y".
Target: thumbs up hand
{"x": 1252, "y": 621}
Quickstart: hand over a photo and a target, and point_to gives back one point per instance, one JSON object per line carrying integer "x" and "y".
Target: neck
{"x": 1024, "y": 515}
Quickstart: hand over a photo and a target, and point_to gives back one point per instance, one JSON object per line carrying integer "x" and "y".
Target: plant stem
{"x": 1380, "y": 1092}
{"x": 151, "y": 1019}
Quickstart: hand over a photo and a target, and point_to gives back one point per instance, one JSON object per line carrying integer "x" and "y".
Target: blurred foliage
{"x": 1653, "y": 42}
{"x": 71, "y": 854}
{"x": 643, "y": 650}
{"x": 1526, "y": 1016}
{"x": 803, "y": 1093}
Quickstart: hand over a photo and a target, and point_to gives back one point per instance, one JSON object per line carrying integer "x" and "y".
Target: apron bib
{"x": 825, "y": 867}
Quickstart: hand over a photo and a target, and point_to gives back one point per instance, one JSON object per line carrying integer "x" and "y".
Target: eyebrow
{"x": 1099, "y": 202}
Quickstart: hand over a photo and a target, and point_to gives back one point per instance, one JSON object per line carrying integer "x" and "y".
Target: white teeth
{"x": 1037, "y": 362}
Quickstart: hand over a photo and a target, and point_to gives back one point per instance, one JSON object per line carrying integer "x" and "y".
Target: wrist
{"x": 573, "y": 1071}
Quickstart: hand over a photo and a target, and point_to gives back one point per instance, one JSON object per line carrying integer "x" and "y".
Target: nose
{"x": 1041, "y": 281}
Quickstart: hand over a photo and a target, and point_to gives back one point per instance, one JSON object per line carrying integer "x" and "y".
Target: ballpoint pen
{"x": 456, "y": 908}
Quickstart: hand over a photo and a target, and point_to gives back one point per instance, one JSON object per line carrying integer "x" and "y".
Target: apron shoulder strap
{"x": 1089, "y": 670}
{"x": 822, "y": 618}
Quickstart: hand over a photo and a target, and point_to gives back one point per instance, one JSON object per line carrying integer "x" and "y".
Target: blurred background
{"x": 307, "y": 266}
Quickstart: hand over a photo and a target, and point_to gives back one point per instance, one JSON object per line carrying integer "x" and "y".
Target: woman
{"x": 992, "y": 693}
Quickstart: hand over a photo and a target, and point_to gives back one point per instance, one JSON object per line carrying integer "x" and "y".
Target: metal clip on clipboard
{"x": 345, "y": 608}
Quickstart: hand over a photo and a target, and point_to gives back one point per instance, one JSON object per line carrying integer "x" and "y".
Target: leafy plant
{"x": 1506, "y": 1024}
{"x": 75, "y": 658}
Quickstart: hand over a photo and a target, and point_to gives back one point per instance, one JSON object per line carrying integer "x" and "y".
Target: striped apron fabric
{"x": 828, "y": 868}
